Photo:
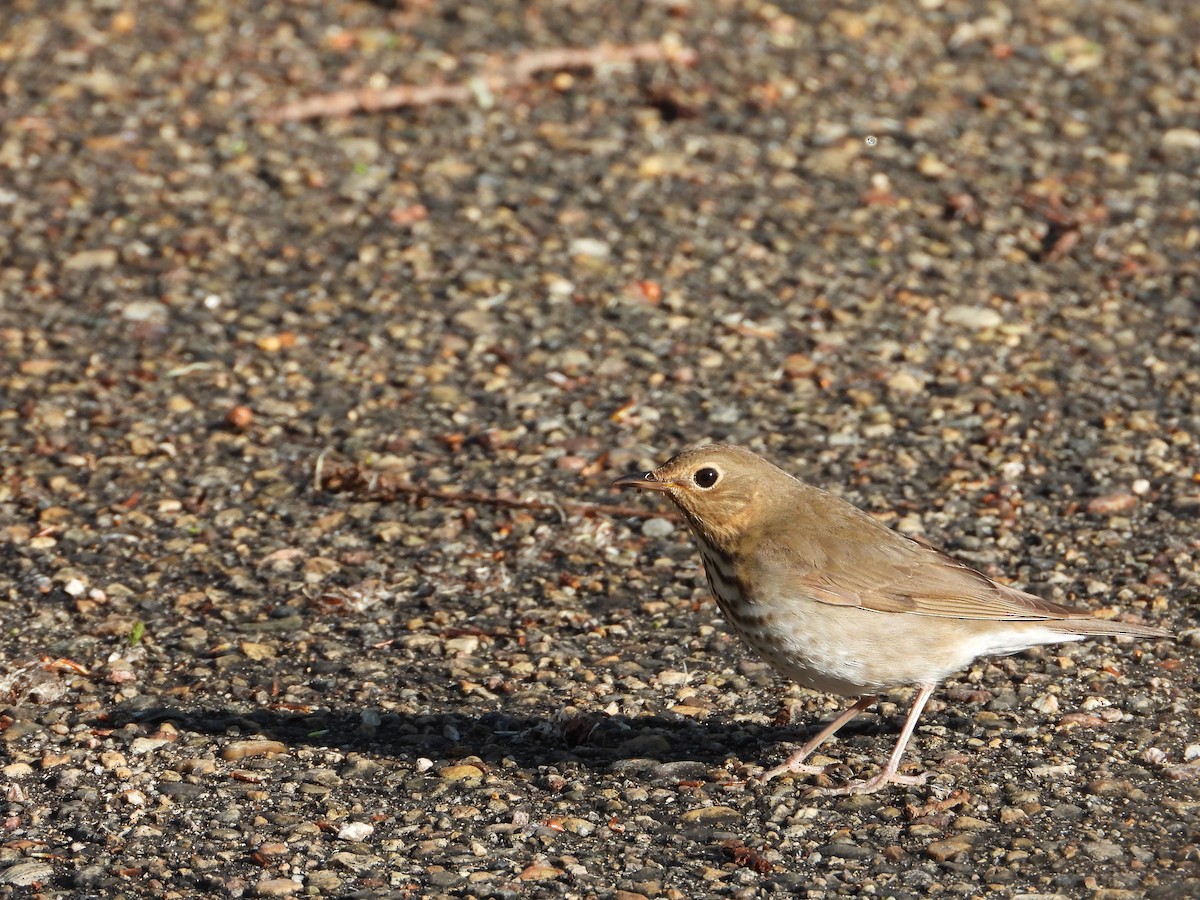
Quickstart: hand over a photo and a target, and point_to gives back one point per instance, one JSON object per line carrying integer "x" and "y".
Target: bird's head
{"x": 721, "y": 490}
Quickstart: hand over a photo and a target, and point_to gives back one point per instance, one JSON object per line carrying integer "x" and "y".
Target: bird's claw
{"x": 791, "y": 769}
{"x": 868, "y": 786}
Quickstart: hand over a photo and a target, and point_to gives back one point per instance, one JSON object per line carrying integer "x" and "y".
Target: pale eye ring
{"x": 706, "y": 477}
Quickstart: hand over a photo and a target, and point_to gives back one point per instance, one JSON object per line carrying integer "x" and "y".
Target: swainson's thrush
{"x": 839, "y": 602}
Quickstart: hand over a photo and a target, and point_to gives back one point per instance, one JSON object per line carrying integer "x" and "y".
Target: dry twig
{"x": 387, "y": 487}
{"x": 497, "y": 75}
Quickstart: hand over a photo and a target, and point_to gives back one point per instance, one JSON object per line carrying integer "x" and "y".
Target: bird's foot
{"x": 868, "y": 786}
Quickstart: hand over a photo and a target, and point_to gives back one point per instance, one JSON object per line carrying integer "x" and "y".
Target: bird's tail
{"x": 1095, "y": 627}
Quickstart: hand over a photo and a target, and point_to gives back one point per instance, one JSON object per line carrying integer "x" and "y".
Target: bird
{"x": 838, "y": 602}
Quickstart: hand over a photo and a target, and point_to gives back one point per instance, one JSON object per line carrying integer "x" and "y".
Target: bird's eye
{"x": 706, "y": 477}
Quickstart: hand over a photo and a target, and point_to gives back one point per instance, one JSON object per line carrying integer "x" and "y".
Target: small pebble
{"x": 355, "y": 831}
{"x": 1180, "y": 142}
{"x": 540, "y": 872}
{"x": 977, "y": 317}
{"x": 246, "y": 749}
{"x": 1046, "y": 704}
{"x": 657, "y": 528}
{"x": 950, "y": 848}
{"x": 239, "y": 418}
{"x": 1111, "y": 504}
{"x": 711, "y": 815}
{"x": 26, "y": 873}
{"x": 277, "y": 887}
{"x": 463, "y": 772}
{"x": 590, "y": 247}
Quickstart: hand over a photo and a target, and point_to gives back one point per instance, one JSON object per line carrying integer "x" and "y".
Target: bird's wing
{"x": 898, "y": 575}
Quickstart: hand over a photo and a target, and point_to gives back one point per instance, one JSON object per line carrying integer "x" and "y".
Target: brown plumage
{"x": 839, "y": 602}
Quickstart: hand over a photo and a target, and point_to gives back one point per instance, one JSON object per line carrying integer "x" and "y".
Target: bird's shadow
{"x": 595, "y": 740}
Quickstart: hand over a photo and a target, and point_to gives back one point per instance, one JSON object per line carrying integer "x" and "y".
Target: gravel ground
{"x": 313, "y": 583}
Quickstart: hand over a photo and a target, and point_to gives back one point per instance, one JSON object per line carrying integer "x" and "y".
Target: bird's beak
{"x": 643, "y": 481}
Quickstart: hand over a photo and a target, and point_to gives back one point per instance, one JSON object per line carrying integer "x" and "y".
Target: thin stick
{"x": 381, "y": 486}
{"x": 497, "y": 75}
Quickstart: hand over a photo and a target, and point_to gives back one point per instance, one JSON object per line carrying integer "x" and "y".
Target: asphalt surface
{"x": 312, "y": 580}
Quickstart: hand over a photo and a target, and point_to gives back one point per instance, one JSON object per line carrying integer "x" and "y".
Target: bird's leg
{"x": 889, "y": 774}
{"x": 795, "y": 762}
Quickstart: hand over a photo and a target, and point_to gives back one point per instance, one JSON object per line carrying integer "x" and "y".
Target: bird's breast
{"x": 728, "y": 589}
{"x": 799, "y": 637}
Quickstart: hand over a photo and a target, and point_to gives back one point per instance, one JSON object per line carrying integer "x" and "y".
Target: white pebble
{"x": 30, "y": 871}
{"x": 135, "y": 798}
{"x": 144, "y": 311}
{"x": 672, "y": 677}
{"x": 1180, "y": 141}
{"x": 980, "y": 317}
{"x": 355, "y": 831}
{"x": 1012, "y": 470}
{"x": 657, "y": 528}
{"x": 590, "y": 247}
{"x": 1047, "y": 704}
{"x": 462, "y": 646}
{"x": 1154, "y": 756}
{"x": 906, "y": 383}
{"x": 560, "y": 288}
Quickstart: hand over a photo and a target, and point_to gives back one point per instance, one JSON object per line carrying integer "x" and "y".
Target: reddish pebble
{"x": 239, "y": 418}
{"x": 1112, "y": 504}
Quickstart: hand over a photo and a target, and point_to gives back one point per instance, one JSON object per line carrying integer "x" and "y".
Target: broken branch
{"x": 497, "y": 75}
{"x": 386, "y": 487}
